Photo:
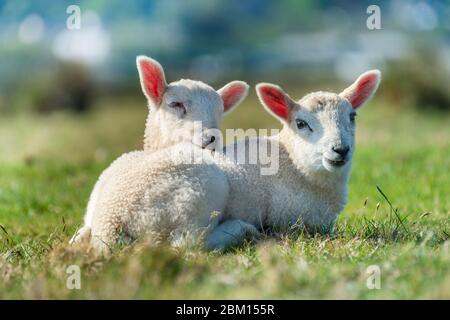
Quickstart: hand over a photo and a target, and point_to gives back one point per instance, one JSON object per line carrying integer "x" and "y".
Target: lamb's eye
{"x": 352, "y": 116}
{"x": 302, "y": 124}
{"x": 178, "y": 105}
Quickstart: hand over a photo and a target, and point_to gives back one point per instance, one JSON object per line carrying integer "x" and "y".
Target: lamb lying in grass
{"x": 166, "y": 194}
{"x": 175, "y": 112}
{"x": 316, "y": 146}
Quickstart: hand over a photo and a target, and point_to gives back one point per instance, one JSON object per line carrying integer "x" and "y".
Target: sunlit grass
{"x": 48, "y": 166}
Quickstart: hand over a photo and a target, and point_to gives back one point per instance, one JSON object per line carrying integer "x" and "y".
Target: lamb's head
{"x": 320, "y": 127}
{"x": 185, "y": 110}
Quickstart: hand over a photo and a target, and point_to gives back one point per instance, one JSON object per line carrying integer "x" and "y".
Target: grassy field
{"x": 48, "y": 166}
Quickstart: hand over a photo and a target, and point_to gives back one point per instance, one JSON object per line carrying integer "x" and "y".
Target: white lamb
{"x": 165, "y": 193}
{"x": 175, "y": 112}
{"x": 316, "y": 146}
{"x": 176, "y": 109}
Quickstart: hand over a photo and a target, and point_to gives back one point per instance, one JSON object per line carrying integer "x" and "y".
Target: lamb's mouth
{"x": 336, "y": 163}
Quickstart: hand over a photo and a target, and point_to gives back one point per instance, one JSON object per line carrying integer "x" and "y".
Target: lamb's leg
{"x": 106, "y": 232}
{"x": 82, "y": 235}
{"x": 229, "y": 233}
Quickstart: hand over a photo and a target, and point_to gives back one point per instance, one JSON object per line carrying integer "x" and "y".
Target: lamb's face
{"x": 187, "y": 110}
{"x": 191, "y": 111}
{"x": 323, "y": 128}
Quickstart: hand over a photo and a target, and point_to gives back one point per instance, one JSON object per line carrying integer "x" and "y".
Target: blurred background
{"x": 52, "y": 76}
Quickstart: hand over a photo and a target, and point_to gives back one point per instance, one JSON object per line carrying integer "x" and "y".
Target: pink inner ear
{"x": 363, "y": 90}
{"x": 153, "y": 80}
{"x": 232, "y": 96}
{"x": 274, "y": 99}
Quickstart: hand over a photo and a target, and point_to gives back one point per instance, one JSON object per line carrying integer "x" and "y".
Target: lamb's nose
{"x": 342, "y": 151}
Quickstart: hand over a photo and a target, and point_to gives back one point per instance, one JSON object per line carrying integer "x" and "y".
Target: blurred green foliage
{"x": 299, "y": 43}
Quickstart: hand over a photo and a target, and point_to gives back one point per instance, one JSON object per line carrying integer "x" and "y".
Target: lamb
{"x": 316, "y": 146}
{"x": 170, "y": 194}
{"x": 165, "y": 193}
{"x": 176, "y": 109}
{"x": 185, "y": 112}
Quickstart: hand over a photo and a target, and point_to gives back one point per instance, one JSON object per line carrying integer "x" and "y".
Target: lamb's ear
{"x": 153, "y": 81}
{"x": 275, "y": 100}
{"x": 233, "y": 94}
{"x": 362, "y": 89}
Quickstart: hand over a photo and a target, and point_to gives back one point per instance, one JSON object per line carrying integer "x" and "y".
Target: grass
{"x": 397, "y": 217}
